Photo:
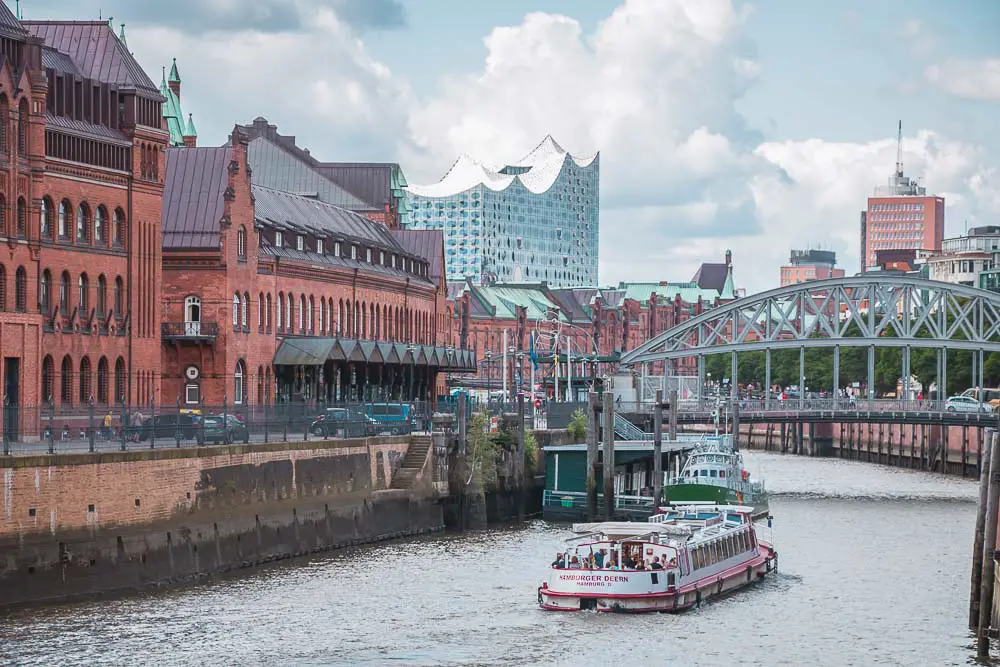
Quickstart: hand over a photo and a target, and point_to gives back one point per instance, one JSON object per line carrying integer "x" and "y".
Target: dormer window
{"x": 354, "y": 252}
{"x": 368, "y": 255}
{"x": 319, "y": 246}
{"x": 300, "y": 243}
{"x": 278, "y": 239}
{"x": 381, "y": 257}
{"x": 336, "y": 248}
{"x": 394, "y": 261}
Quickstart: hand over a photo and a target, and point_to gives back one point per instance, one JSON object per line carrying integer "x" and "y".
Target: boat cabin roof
{"x": 618, "y": 530}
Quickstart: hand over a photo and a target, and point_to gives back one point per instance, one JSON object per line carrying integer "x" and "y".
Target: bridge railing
{"x": 799, "y": 405}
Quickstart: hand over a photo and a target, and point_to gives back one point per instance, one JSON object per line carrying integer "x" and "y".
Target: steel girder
{"x": 859, "y": 311}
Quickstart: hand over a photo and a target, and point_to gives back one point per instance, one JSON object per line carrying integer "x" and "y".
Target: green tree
{"x": 577, "y": 426}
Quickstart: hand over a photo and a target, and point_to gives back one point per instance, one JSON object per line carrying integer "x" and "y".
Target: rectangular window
{"x": 319, "y": 246}
{"x": 368, "y": 255}
{"x": 336, "y": 248}
{"x": 191, "y": 394}
{"x": 278, "y": 240}
{"x": 354, "y": 252}
{"x": 300, "y": 243}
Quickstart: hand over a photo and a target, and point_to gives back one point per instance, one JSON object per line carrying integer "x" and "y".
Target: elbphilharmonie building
{"x": 531, "y": 221}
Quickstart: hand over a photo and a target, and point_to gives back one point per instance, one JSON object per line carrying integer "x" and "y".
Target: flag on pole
{"x": 531, "y": 351}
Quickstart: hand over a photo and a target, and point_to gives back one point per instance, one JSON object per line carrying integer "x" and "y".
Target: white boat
{"x": 684, "y": 555}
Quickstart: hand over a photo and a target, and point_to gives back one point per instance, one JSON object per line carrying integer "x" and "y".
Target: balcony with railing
{"x": 189, "y": 332}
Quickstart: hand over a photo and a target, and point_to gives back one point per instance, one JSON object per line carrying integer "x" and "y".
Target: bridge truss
{"x": 869, "y": 311}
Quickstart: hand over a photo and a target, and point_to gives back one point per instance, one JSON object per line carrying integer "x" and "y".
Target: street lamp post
{"x": 489, "y": 375}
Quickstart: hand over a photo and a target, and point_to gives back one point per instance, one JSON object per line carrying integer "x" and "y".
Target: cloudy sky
{"x": 721, "y": 124}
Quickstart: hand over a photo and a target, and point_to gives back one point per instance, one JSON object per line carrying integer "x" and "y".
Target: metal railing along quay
{"x": 101, "y": 428}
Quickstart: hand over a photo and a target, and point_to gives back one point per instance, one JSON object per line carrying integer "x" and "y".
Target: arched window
{"x": 22, "y": 127}
{"x": 320, "y": 323}
{"x": 120, "y": 380}
{"x": 66, "y": 384}
{"x": 45, "y": 218}
{"x": 3, "y": 216}
{"x": 48, "y": 378}
{"x": 340, "y": 316}
{"x": 100, "y": 224}
{"x": 238, "y": 382}
{"x": 329, "y": 316}
{"x": 118, "y": 297}
{"x": 241, "y": 242}
{"x": 84, "y": 287}
{"x": 22, "y": 218}
{"x": 260, "y": 384}
{"x": 85, "y": 390}
{"x": 102, "y": 296}
{"x": 118, "y": 234}
{"x": 281, "y": 309}
{"x": 349, "y": 321}
{"x": 192, "y": 316}
{"x": 267, "y": 315}
{"x": 82, "y": 223}
{"x": 260, "y": 311}
{"x": 300, "y": 320}
{"x": 357, "y": 319}
{"x": 64, "y": 293}
{"x": 245, "y": 316}
{"x": 310, "y": 326}
{"x": 289, "y": 304}
{"x": 236, "y": 310}
{"x": 363, "y": 330}
{"x": 21, "y": 290}
{"x": 102, "y": 381}
{"x": 63, "y": 223}
{"x": 44, "y": 289}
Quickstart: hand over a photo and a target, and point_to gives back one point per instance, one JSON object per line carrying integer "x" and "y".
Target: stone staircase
{"x": 412, "y": 463}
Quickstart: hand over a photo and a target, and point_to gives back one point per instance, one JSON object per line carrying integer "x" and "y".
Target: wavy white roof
{"x": 545, "y": 163}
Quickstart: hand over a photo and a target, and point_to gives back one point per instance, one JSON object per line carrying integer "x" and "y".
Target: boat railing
{"x": 742, "y": 487}
{"x": 576, "y": 499}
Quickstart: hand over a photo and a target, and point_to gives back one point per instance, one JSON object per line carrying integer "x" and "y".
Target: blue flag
{"x": 531, "y": 351}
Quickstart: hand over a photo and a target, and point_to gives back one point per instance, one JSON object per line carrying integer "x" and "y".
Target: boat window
{"x": 722, "y": 473}
{"x": 713, "y": 473}
{"x": 670, "y": 579}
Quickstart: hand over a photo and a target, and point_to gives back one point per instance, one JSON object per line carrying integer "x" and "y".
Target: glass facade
{"x": 516, "y": 235}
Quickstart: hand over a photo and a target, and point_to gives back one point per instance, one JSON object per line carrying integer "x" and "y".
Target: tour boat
{"x": 704, "y": 550}
{"x": 715, "y": 473}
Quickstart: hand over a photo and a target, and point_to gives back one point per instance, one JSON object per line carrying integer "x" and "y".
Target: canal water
{"x": 873, "y": 570}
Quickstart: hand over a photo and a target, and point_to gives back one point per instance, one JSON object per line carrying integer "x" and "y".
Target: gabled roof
{"x": 95, "y": 50}
{"x": 376, "y": 183}
{"x": 428, "y": 244}
{"x": 274, "y": 167}
{"x": 196, "y": 179}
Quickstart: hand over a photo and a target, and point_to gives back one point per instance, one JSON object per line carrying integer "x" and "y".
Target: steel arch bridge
{"x": 869, "y": 311}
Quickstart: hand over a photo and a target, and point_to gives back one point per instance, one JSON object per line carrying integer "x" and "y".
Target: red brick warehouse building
{"x": 272, "y": 292}
{"x": 81, "y": 166}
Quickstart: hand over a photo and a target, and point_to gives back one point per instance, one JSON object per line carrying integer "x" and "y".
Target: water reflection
{"x": 873, "y": 571}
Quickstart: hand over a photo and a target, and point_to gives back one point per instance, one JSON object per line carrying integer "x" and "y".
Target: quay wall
{"x": 77, "y": 525}
{"x": 947, "y": 449}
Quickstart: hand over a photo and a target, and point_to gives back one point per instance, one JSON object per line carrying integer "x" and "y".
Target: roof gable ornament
{"x": 121, "y": 36}
{"x": 229, "y": 194}
{"x": 225, "y": 222}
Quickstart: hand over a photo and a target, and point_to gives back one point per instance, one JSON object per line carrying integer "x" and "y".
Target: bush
{"x": 578, "y": 426}
{"x": 530, "y": 454}
{"x": 483, "y": 451}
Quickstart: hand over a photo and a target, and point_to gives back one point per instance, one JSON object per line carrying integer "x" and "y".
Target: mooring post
{"x": 658, "y": 448}
{"x": 977, "y": 542}
{"x": 989, "y": 547}
{"x": 609, "y": 456}
{"x": 593, "y": 445}
{"x": 519, "y": 459}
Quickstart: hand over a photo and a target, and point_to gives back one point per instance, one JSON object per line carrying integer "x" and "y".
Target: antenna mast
{"x": 899, "y": 150}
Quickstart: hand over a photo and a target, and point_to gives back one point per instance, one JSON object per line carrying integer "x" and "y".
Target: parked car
{"x": 396, "y": 418}
{"x": 170, "y": 424}
{"x": 344, "y": 423}
{"x": 965, "y": 404}
{"x": 228, "y": 428}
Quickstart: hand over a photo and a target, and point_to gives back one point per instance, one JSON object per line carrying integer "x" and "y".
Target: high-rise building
{"x": 901, "y": 216}
{"x": 806, "y": 265}
{"x": 534, "y": 220}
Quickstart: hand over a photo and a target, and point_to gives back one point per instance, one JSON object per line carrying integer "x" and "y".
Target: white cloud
{"x": 973, "y": 79}
{"x": 653, "y": 87}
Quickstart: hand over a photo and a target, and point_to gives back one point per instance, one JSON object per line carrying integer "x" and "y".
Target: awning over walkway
{"x": 316, "y": 350}
{"x": 305, "y": 351}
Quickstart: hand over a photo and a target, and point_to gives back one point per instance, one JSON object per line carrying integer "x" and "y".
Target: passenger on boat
{"x": 574, "y": 563}
{"x": 560, "y": 562}
{"x": 656, "y": 564}
{"x": 599, "y": 559}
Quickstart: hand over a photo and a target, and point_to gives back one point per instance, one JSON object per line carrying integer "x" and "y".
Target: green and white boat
{"x": 715, "y": 473}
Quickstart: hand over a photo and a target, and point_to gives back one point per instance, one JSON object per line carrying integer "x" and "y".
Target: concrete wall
{"x": 74, "y": 525}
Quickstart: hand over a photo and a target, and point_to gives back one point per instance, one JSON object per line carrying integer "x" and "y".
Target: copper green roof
{"x": 688, "y": 292}
{"x": 190, "y": 131}
{"x": 174, "y": 76}
{"x": 172, "y": 112}
{"x": 506, "y": 299}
